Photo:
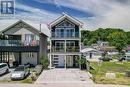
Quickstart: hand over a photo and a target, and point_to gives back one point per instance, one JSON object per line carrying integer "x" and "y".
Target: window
{"x": 55, "y": 55}
{"x": 3, "y": 65}
{"x": 70, "y": 32}
{"x": 59, "y": 45}
{"x": 30, "y": 54}
{"x": 70, "y": 43}
{"x": 29, "y": 38}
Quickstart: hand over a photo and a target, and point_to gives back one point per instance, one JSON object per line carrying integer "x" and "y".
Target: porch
{"x": 64, "y": 61}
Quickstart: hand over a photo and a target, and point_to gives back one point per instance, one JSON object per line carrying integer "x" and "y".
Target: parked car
{"x": 20, "y": 72}
{"x": 105, "y": 59}
{"x": 127, "y": 57}
{"x": 4, "y": 68}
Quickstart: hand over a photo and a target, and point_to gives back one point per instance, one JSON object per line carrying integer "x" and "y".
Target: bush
{"x": 45, "y": 62}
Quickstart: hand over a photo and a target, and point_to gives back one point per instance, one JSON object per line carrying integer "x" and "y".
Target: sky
{"x": 93, "y": 13}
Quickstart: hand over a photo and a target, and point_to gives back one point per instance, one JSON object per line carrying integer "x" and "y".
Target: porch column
{"x": 50, "y": 61}
{"x": 65, "y": 62}
{"x": 80, "y": 59}
{"x": 65, "y": 55}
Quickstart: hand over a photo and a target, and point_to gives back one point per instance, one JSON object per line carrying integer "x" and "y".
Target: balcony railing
{"x": 68, "y": 49}
{"x": 72, "y": 49}
{"x": 64, "y": 35}
{"x": 57, "y": 49}
{"x": 18, "y": 43}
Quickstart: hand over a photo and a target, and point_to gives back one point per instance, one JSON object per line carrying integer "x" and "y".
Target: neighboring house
{"x": 128, "y": 49}
{"x": 101, "y": 43}
{"x": 91, "y": 53}
{"x": 65, "y": 42}
{"x": 25, "y": 43}
{"x": 127, "y": 52}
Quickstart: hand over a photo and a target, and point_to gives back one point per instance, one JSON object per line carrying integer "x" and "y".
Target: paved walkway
{"x": 60, "y": 85}
{"x": 64, "y": 76}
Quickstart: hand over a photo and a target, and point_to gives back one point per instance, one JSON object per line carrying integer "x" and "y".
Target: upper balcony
{"x": 65, "y": 35}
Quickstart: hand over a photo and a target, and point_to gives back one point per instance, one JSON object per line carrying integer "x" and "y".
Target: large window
{"x": 70, "y": 43}
{"x": 70, "y": 32}
{"x": 59, "y": 46}
{"x": 65, "y": 29}
{"x": 30, "y": 39}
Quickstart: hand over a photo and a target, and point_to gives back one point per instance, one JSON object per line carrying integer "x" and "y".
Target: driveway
{"x": 6, "y": 76}
{"x": 64, "y": 76}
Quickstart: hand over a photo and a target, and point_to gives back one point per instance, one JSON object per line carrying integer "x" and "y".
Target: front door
{"x": 69, "y": 61}
{"x": 61, "y": 61}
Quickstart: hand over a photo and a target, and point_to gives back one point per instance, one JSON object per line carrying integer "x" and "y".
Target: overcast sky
{"x": 93, "y": 13}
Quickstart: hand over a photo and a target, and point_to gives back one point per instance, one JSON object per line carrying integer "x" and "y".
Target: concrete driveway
{"x": 6, "y": 76}
{"x": 64, "y": 76}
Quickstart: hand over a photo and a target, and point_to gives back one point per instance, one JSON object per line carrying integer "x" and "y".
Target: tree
{"x": 118, "y": 39}
{"x": 128, "y": 36}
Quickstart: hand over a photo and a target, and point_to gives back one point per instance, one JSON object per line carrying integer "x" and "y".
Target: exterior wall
{"x": 43, "y": 47}
{"x": 65, "y": 55}
{"x": 29, "y": 57}
{"x": 20, "y": 31}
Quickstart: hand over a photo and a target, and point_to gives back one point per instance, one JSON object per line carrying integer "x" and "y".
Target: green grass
{"x": 119, "y": 68}
{"x": 28, "y": 80}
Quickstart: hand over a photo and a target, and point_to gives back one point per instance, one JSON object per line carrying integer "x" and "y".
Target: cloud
{"x": 107, "y": 13}
{"x": 34, "y": 14}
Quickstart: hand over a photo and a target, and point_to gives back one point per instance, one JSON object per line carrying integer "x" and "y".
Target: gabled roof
{"x": 53, "y": 23}
{"x": 89, "y": 50}
{"x": 7, "y": 24}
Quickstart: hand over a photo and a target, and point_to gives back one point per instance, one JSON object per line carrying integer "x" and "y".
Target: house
{"x": 91, "y": 53}
{"x": 127, "y": 52}
{"x": 127, "y": 49}
{"x": 26, "y": 43}
{"x": 102, "y": 43}
{"x": 65, "y": 42}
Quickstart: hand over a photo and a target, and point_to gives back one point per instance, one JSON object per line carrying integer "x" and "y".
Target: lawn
{"x": 99, "y": 71}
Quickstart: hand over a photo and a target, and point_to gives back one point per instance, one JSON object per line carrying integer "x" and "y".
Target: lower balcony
{"x": 19, "y": 43}
{"x": 68, "y": 49}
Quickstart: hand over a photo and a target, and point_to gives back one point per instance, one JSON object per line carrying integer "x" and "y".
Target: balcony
{"x": 18, "y": 43}
{"x": 65, "y": 35}
{"x": 68, "y": 49}
{"x": 18, "y": 46}
{"x": 72, "y": 49}
{"x": 57, "y": 49}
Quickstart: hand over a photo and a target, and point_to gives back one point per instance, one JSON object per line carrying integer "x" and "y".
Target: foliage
{"x": 2, "y": 36}
{"x": 81, "y": 61}
{"x": 45, "y": 62}
{"x": 90, "y": 37}
{"x": 118, "y": 39}
{"x": 128, "y": 36}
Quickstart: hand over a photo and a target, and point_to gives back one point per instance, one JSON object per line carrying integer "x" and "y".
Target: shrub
{"x": 45, "y": 62}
